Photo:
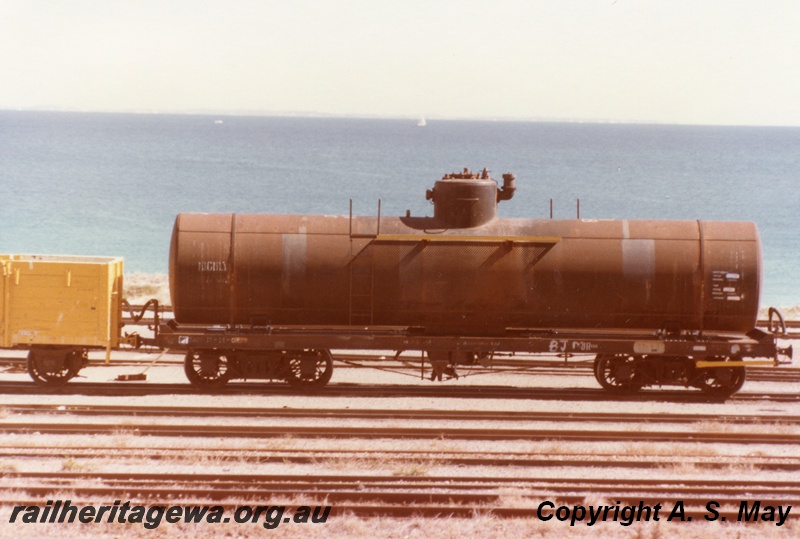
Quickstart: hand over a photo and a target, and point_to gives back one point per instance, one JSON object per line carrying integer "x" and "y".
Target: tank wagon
{"x": 657, "y": 302}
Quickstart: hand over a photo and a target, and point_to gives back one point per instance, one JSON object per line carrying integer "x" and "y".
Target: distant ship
{"x": 422, "y": 122}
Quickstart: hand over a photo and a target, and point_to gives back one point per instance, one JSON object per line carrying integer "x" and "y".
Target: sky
{"x": 720, "y": 62}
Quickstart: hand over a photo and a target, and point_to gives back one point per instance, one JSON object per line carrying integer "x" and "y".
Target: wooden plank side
{"x": 63, "y": 300}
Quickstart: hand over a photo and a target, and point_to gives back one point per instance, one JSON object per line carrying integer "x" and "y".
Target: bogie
{"x": 624, "y": 373}
{"x": 303, "y": 369}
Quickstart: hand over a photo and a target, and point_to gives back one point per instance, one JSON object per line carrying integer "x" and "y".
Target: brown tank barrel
{"x": 505, "y": 273}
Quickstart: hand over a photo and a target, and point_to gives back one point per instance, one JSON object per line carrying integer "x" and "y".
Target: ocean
{"x": 111, "y": 184}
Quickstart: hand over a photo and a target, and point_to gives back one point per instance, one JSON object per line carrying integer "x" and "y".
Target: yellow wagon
{"x": 58, "y": 307}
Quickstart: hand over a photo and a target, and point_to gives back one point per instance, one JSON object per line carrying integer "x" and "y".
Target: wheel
{"x": 207, "y": 368}
{"x": 309, "y": 369}
{"x": 721, "y": 381}
{"x": 617, "y": 373}
{"x": 55, "y": 367}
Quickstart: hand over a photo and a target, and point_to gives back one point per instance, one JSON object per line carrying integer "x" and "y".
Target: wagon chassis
{"x": 623, "y": 359}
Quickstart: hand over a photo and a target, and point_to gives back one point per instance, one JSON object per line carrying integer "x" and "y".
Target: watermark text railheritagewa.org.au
{"x": 272, "y": 516}
{"x": 153, "y": 516}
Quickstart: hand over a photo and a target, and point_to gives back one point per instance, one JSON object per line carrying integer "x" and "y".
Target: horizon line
{"x": 363, "y": 116}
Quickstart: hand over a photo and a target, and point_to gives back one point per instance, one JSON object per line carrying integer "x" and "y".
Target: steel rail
{"x": 330, "y": 496}
{"x": 389, "y": 390}
{"x": 150, "y": 484}
{"x": 454, "y": 458}
{"x": 409, "y": 414}
{"x": 316, "y": 431}
{"x": 405, "y": 481}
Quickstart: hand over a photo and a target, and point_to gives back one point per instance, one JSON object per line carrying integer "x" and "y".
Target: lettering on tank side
{"x": 726, "y": 285}
{"x": 208, "y": 266}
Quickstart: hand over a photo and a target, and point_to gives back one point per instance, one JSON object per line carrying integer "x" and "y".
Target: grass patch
{"x": 72, "y": 465}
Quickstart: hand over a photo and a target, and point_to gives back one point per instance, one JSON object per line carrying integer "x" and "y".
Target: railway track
{"x": 398, "y": 433}
{"x": 373, "y": 458}
{"x": 473, "y": 392}
{"x": 493, "y": 460}
{"x": 399, "y": 489}
{"x": 386, "y": 414}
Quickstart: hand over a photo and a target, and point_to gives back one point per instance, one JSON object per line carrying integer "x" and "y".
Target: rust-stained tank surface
{"x": 464, "y": 270}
